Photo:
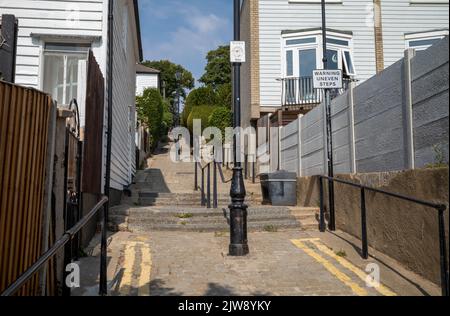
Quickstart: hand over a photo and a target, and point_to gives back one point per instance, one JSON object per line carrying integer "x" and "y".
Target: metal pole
{"x": 238, "y": 209}
{"x": 322, "y": 207}
{"x": 332, "y": 223}
{"x": 208, "y": 186}
{"x": 215, "y": 198}
{"x": 365, "y": 243}
{"x": 443, "y": 254}
{"x": 196, "y": 177}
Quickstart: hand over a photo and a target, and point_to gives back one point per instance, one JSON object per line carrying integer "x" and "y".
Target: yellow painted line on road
{"x": 146, "y": 271}
{"x": 129, "y": 261}
{"x": 331, "y": 268}
{"x": 346, "y": 264}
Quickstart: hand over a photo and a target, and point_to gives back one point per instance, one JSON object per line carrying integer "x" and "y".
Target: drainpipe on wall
{"x": 103, "y": 291}
{"x": 378, "y": 31}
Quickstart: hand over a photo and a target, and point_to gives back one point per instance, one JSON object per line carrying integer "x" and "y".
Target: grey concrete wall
{"x": 371, "y": 123}
{"x": 402, "y": 230}
{"x": 430, "y": 85}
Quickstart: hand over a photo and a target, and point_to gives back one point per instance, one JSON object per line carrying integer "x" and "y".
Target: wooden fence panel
{"x": 24, "y": 120}
{"x": 93, "y": 137}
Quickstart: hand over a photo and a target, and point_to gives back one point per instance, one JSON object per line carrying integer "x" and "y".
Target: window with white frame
{"x": 60, "y": 75}
{"x": 424, "y": 40}
{"x": 303, "y": 53}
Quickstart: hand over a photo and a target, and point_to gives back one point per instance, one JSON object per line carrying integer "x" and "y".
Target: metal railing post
{"x": 365, "y": 244}
{"x": 253, "y": 171}
{"x": 322, "y": 206}
{"x": 443, "y": 253}
{"x": 203, "y": 188}
{"x": 196, "y": 177}
{"x": 215, "y": 202}
{"x": 208, "y": 187}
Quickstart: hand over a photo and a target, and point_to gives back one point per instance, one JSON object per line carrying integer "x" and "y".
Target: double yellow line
{"x": 358, "y": 290}
{"x": 130, "y": 279}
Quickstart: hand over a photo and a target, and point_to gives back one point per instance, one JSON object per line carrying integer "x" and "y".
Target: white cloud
{"x": 198, "y": 32}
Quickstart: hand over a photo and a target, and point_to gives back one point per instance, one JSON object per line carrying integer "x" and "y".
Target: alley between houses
{"x": 165, "y": 243}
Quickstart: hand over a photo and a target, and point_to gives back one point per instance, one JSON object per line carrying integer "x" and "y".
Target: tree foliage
{"x": 150, "y": 108}
{"x": 218, "y": 68}
{"x": 224, "y": 95}
{"x": 168, "y": 70}
{"x": 221, "y": 118}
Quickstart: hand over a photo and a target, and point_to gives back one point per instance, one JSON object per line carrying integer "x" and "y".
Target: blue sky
{"x": 184, "y": 31}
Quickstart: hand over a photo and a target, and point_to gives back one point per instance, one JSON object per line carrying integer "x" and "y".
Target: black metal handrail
{"x": 441, "y": 208}
{"x": 64, "y": 241}
{"x": 206, "y": 197}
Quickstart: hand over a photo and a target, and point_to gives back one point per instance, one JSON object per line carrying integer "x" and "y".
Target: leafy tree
{"x": 224, "y": 95}
{"x": 168, "y": 70}
{"x": 218, "y": 68}
{"x": 221, "y": 118}
{"x": 150, "y": 108}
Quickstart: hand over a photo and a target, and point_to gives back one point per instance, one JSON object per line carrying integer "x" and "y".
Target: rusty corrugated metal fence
{"x": 24, "y": 120}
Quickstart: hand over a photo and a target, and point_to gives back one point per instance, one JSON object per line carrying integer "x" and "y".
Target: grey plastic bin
{"x": 279, "y": 188}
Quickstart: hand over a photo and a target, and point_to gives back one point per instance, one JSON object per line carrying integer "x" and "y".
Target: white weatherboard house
{"x": 146, "y": 77}
{"x": 284, "y": 45}
{"x": 53, "y": 42}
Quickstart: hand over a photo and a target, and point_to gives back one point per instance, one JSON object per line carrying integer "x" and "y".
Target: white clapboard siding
{"x": 123, "y": 162}
{"x": 400, "y": 17}
{"x": 53, "y": 18}
{"x": 144, "y": 81}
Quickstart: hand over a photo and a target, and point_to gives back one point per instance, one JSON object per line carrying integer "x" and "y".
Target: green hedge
{"x": 203, "y": 96}
{"x": 202, "y": 113}
{"x": 221, "y": 117}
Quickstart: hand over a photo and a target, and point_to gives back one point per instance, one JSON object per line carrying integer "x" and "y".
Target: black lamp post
{"x": 238, "y": 209}
{"x": 332, "y": 223}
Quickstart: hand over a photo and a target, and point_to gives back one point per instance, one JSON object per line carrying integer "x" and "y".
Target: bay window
{"x": 303, "y": 51}
{"x": 423, "y": 40}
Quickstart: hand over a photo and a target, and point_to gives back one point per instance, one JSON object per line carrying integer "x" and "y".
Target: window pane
{"x": 348, "y": 59}
{"x": 337, "y": 42}
{"x": 67, "y": 47}
{"x": 333, "y": 59}
{"x": 54, "y": 77}
{"x": 428, "y": 42}
{"x": 307, "y": 62}
{"x": 72, "y": 78}
{"x": 310, "y": 40}
{"x": 289, "y": 63}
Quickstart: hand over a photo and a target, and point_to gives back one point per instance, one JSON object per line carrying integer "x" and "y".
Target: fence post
{"x": 51, "y": 145}
{"x": 300, "y": 153}
{"x": 351, "y": 127}
{"x": 8, "y": 32}
{"x": 408, "y": 110}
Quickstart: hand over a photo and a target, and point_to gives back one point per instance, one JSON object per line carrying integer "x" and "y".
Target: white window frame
{"x": 317, "y": 34}
{"x": 66, "y": 53}
{"x": 421, "y": 36}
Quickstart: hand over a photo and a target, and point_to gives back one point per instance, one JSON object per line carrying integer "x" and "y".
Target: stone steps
{"x": 185, "y": 218}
